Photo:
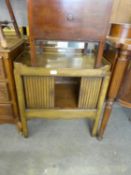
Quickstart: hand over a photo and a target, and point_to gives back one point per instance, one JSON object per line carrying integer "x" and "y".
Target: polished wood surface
{"x": 61, "y": 58}
{"x": 77, "y": 20}
{"x": 8, "y": 101}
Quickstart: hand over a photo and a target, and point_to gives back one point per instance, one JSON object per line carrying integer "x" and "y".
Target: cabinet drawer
{"x": 6, "y": 110}
{"x": 4, "y": 92}
{"x": 69, "y": 19}
{"x": 2, "y": 70}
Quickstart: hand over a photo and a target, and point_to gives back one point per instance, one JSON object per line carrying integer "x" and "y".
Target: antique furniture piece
{"x": 62, "y": 86}
{"x": 76, "y": 20}
{"x": 63, "y": 82}
{"x": 118, "y": 53}
{"x": 8, "y": 103}
{"x": 3, "y": 24}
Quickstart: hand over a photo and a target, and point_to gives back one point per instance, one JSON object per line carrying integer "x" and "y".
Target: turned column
{"x": 114, "y": 87}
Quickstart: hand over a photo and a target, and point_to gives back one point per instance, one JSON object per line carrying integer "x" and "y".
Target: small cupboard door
{"x": 39, "y": 92}
{"x": 89, "y": 92}
{"x": 4, "y": 92}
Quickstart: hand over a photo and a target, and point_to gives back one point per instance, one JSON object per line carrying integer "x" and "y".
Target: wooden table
{"x": 63, "y": 85}
{"x": 45, "y": 94}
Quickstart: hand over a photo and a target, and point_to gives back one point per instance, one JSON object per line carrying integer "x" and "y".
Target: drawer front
{"x": 69, "y": 19}
{"x": 4, "y": 92}
{"x": 2, "y": 70}
{"x": 6, "y": 110}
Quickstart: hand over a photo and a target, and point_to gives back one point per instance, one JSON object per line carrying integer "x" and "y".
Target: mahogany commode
{"x": 63, "y": 83}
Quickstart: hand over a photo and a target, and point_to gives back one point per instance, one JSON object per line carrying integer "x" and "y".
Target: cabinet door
{"x": 6, "y": 111}
{"x": 39, "y": 92}
{"x": 4, "y": 94}
{"x": 89, "y": 92}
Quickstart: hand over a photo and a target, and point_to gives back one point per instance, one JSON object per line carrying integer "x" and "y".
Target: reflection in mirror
{"x": 87, "y": 48}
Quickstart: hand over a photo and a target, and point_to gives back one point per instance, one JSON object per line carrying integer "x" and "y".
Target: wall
{"x": 20, "y": 11}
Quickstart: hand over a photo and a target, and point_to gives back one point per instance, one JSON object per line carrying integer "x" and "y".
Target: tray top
{"x": 61, "y": 58}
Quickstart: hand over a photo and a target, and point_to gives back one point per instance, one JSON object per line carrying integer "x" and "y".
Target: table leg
{"x": 117, "y": 76}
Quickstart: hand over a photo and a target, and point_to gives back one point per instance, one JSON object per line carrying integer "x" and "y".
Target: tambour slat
{"x": 89, "y": 89}
{"x": 89, "y": 92}
{"x": 38, "y": 91}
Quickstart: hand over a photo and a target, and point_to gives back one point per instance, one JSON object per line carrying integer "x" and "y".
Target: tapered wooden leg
{"x": 99, "y": 55}
{"x": 100, "y": 104}
{"x": 25, "y": 130}
{"x": 115, "y": 83}
{"x": 20, "y": 95}
{"x": 106, "y": 116}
